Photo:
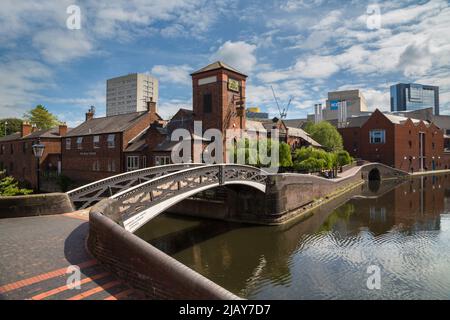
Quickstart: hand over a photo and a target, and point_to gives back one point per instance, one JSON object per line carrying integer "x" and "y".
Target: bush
{"x": 10, "y": 187}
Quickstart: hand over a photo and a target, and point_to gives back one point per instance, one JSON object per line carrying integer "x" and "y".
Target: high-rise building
{"x": 413, "y": 96}
{"x": 130, "y": 93}
{"x": 352, "y": 100}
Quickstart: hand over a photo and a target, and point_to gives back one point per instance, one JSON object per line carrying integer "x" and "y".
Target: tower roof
{"x": 217, "y": 65}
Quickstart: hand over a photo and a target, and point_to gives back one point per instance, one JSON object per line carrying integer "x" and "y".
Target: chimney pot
{"x": 26, "y": 129}
{"x": 151, "y": 106}
{"x": 62, "y": 129}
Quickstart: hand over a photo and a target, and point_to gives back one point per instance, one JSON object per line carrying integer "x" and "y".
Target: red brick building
{"x": 102, "y": 147}
{"x": 404, "y": 143}
{"x": 17, "y": 157}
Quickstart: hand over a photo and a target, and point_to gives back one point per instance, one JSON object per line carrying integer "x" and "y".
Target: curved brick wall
{"x": 35, "y": 205}
{"x": 143, "y": 266}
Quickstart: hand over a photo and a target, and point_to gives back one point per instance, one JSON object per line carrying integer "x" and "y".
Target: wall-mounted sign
{"x": 88, "y": 153}
{"x": 334, "y": 104}
{"x": 233, "y": 85}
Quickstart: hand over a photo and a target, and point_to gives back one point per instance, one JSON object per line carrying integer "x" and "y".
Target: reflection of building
{"x": 413, "y": 96}
{"x": 18, "y": 160}
{"x": 130, "y": 93}
{"x": 404, "y": 143}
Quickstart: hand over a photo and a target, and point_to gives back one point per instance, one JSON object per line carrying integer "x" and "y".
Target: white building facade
{"x": 130, "y": 93}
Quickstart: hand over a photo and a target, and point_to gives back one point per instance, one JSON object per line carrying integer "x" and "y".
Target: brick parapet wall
{"x": 35, "y": 205}
{"x": 143, "y": 266}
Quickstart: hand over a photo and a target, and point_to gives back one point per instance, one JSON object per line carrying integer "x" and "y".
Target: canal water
{"x": 401, "y": 229}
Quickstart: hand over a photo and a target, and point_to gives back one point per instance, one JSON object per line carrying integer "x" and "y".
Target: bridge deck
{"x": 36, "y": 252}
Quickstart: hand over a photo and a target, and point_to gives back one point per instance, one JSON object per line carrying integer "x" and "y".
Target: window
{"x": 25, "y": 147}
{"x": 96, "y": 165}
{"x": 112, "y": 165}
{"x": 207, "y": 103}
{"x": 377, "y": 136}
{"x": 2, "y": 149}
{"x": 11, "y": 149}
{"x": 68, "y": 143}
{"x": 96, "y": 142}
{"x": 162, "y": 160}
{"x": 144, "y": 161}
{"x": 132, "y": 163}
{"x": 80, "y": 143}
{"x": 111, "y": 141}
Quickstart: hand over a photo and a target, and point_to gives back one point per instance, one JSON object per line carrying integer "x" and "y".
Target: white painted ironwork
{"x": 141, "y": 203}
{"x": 85, "y": 196}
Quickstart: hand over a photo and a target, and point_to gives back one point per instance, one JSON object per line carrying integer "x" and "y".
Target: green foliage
{"x": 14, "y": 125}
{"x": 41, "y": 117}
{"x": 304, "y": 154}
{"x": 327, "y": 135}
{"x": 253, "y": 151}
{"x": 285, "y": 156}
{"x": 10, "y": 187}
{"x": 343, "y": 158}
{"x": 308, "y": 126}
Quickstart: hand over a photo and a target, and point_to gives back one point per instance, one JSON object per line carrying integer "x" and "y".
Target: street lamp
{"x": 38, "y": 150}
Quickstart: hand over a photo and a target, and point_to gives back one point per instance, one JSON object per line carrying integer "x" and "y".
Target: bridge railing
{"x": 139, "y": 204}
{"x": 86, "y": 196}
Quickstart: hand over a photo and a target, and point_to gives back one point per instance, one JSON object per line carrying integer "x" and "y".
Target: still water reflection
{"x": 402, "y": 228}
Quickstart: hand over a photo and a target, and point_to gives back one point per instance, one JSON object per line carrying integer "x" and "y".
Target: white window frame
{"x": 372, "y": 137}
{"x": 144, "y": 162}
{"x": 132, "y": 163}
{"x": 96, "y": 142}
{"x": 80, "y": 143}
{"x": 68, "y": 143}
{"x": 162, "y": 160}
{"x": 111, "y": 141}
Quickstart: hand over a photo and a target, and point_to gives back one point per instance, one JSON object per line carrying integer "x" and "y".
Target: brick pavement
{"x": 35, "y": 253}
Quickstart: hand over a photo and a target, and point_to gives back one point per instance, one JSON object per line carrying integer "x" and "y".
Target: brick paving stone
{"x": 36, "y": 251}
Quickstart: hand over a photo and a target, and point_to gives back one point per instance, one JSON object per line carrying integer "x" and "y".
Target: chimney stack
{"x": 90, "y": 114}
{"x": 151, "y": 106}
{"x": 26, "y": 129}
{"x": 62, "y": 129}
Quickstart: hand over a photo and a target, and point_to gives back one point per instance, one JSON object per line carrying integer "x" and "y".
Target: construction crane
{"x": 283, "y": 112}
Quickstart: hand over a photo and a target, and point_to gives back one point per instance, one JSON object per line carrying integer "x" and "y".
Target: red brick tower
{"x": 219, "y": 97}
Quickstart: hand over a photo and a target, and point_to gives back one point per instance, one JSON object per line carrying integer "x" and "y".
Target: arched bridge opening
{"x": 141, "y": 203}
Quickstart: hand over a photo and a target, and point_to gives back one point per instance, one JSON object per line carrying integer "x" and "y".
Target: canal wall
{"x": 141, "y": 265}
{"x": 35, "y": 205}
{"x": 288, "y": 196}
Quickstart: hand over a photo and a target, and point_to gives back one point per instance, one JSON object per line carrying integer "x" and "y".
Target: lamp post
{"x": 38, "y": 150}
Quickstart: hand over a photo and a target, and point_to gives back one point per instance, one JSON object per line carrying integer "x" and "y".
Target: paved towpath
{"x": 35, "y": 253}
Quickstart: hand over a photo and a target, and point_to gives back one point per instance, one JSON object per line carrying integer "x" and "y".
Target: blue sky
{"x": 304, "y": 48}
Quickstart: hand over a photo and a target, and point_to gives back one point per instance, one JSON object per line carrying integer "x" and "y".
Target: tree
{"x": 285, "y": 157}
{"x": 312, "y": 160}
{"x": 327, "y": 135}
{"x": 343, "y": 158}
{"x": 41, "y": 117}
{"x": 13, "y": 125}
{"x": 10, "y": 187}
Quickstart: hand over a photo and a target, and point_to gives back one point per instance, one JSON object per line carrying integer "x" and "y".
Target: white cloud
{"x": 173, "y": 74}
{"x": 19, "y": 84}
{"x": 240, "y": 55}
{"x": 168, "y": 107}
{"x": 58, "y": 46}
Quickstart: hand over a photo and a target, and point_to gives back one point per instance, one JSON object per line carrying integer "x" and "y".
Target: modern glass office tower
{"x": 413, "y": 96}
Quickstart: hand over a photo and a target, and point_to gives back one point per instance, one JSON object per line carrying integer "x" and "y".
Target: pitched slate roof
{"x": 297, "y": 132}
{"x": 113, "y": 124}
{"x": 47, "y": 133}
{"x": 215, "y": 66}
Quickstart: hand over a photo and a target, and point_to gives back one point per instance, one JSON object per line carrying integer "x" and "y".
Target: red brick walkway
{"x": 36, "y": 252}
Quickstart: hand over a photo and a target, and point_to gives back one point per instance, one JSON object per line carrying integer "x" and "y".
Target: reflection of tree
{"x": 342, "y": 213}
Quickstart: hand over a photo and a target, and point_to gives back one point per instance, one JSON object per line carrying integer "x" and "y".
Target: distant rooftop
{"x": 47, "y": 133}
{"x": 217, "y": 65}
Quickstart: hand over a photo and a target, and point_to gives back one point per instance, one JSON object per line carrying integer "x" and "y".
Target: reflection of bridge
{"x": 143, "y": 194}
